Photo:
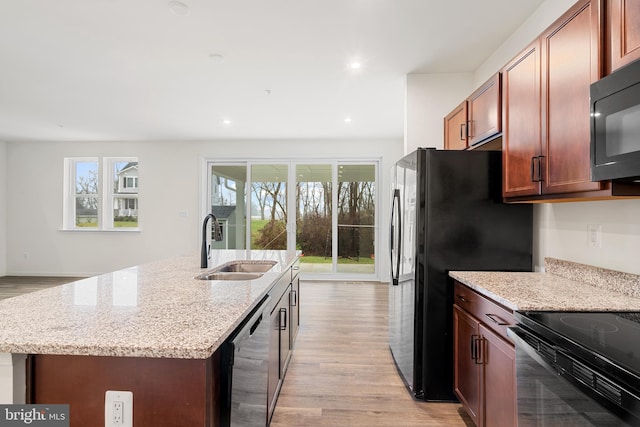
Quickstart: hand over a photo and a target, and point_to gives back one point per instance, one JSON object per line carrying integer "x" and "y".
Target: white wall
{"x": 3, "y": 208}
{"x": 430, "y": 97}
{"x": 563, "y": 227}
{"x": 169, "y": 183}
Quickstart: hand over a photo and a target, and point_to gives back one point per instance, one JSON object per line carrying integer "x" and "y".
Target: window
{"x": 101, "y": 193}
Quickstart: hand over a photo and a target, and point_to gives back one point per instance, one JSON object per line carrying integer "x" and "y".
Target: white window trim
{"x": 105, "y": 195}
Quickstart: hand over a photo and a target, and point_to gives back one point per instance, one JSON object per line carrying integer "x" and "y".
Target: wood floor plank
{"x": 342, "y": 373}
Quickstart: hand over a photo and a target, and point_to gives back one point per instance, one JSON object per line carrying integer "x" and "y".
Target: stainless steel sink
{"x": 229, "y": 276}
{"x": 246, "y": 266}
{"x": 238, "y": 270}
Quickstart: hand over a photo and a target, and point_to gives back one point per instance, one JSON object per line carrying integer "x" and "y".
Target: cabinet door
{"x": 294, "y": 309}
{"x": 274, "y": 359}
{"x": 285, "y": 327}
{"x": 466, "y": 369}
{"x": 521, "y": 123}
{"x": 622, "y": 33}
{"x": 484, "y": 111}
{"x": 455, "y": 128}
{"x": 498, "y": 380}
{"x": 570, "y": 63}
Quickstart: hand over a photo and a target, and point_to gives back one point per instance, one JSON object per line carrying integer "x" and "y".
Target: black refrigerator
{"x": 447, "y": 214}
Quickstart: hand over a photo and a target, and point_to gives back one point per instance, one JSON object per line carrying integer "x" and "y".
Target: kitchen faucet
{"x": 217, "y": 236}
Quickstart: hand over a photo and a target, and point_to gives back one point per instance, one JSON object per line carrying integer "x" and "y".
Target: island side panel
{"x": 166, "y": 392}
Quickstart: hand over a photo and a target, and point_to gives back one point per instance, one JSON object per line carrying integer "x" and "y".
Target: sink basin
{"x": 238, "y": 270}
{"x": 222, "y": 275}
{"x": 246, "y": 266}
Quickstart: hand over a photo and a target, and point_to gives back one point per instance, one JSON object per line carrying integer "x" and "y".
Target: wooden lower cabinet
{"x": 484, "y": 360}
{"x": 166, "y": 392}
{"x": 498, "y": 380}
{"x": 466, "y": 371}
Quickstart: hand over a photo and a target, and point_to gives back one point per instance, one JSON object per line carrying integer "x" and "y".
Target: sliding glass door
{"x": 325, "y": 211}
{"x": 269, "y": 207}
{"x": 314, "y": 235}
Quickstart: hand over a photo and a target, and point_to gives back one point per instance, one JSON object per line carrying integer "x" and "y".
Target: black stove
{"x": 598, "y": 352}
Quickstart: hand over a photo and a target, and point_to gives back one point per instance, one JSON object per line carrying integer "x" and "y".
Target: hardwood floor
{"x": 11, "y": 286}
{"x": 342, "y": 373}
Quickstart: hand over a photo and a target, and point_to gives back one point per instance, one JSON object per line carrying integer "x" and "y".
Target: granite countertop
{"x": 565, "y": 286}
{"x": 152, "y": 310}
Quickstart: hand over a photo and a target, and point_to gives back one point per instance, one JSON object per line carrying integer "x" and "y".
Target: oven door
{"x": 552, "y": 388}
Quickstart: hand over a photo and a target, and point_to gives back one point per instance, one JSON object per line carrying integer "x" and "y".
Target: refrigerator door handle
{"x": 395, "y": 208}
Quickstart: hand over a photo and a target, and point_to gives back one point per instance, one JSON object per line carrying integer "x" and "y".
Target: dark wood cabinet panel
{"x": 476, "y": 119}
{"x": 455, "y": 128}
{"x": 81, "y": 382}
{"x": 570, "y": 63}
{"x": 466, "y": 370}
{"x": 622, "y": 35}
{"x": 546, "y": 146}
{"x": 521, "y": 123}
{"x": 484, "y": 110}
{"x": 484, "y": 359}
{"x": 499, "y": 380}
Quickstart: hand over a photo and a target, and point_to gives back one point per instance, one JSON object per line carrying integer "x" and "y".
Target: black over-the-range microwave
{"x": 615, "y": 125}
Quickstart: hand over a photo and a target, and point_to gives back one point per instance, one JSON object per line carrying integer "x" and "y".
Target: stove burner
{"x": 588, "y": 324}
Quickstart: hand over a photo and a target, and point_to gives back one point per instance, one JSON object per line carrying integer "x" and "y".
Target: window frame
{"x": 106, "y": 194}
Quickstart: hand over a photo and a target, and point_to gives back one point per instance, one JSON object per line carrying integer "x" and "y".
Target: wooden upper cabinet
{"x": 570, "y": 63}
{"x": 546, "y": 136}
{"x": 476, "y": 119}
{"x": 455, "y": 128}
{"x": 521, "y": 148}
{"x": 622, "y": 36}
{"x": 484, "y": 111}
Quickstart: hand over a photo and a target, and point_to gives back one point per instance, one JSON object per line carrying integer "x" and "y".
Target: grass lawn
{"x": 310, "y": 259}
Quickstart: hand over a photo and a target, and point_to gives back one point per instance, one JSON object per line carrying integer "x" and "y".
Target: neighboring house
{"x": 127, "y": 184}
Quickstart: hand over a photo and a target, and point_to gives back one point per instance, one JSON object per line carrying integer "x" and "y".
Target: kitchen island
{"x": 152, "y": 329}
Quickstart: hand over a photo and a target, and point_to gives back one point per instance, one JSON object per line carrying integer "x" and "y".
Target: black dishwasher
{"x": 247, "y": 359}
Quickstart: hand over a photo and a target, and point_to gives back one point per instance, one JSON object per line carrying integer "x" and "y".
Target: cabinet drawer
{"x": 496, "y": 317}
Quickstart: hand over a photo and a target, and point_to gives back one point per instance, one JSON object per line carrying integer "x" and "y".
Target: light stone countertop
{"x": 152, "y": 310}
{"x": 564, "y": 287}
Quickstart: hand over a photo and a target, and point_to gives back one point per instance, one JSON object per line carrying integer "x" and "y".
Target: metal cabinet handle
{"x": 462, "y": 298}
{"x": 469, "y": 132}
{"x": 474, "y": 348}
{"x": 496, "y": 319}
{"x": 463, "y": 131}
{"x": 479, "y": 343}
{"x": 533, "y": 168}
{"x": 294, "y": 298}
{"x": 539, "y": 177}
{"x": 283, "y": 320}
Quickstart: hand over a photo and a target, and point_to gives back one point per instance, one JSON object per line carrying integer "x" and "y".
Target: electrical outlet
{"x": 118, "y": 409}
{"x": 594, "y": 235}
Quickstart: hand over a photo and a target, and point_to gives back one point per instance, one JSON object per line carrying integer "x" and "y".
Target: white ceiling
{"x": 108, "y": 70}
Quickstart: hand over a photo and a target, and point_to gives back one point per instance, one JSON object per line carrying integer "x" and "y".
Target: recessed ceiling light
{"x": 178, "y": 8}
{"x": 355, "y": 65}
{"x": 226, "y": 122}
{"x": 347, "y": 119}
